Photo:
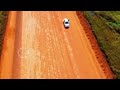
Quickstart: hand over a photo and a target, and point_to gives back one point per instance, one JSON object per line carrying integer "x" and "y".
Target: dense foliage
{"x": 106, "y": 27}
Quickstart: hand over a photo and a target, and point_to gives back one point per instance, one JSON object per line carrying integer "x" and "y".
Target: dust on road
{"x": 42, "y": 48}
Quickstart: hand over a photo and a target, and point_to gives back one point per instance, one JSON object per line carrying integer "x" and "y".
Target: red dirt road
{"x": 36, "y": 45}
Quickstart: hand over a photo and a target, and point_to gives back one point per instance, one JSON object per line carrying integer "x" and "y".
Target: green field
{"x": 106, "y": 28}
{"x": 3, "y": 16}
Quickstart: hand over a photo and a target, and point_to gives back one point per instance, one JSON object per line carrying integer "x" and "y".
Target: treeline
{"x": 3, "y": 20}
{"x": 106, "y": 28}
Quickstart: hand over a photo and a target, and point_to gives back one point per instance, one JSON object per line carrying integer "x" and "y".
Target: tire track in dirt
{"x": 43, "y": 48}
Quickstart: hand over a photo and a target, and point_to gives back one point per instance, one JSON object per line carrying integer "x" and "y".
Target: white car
{"x": 66, "y": 23}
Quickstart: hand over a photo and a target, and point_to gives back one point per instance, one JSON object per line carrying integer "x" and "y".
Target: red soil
{"x": 100, "y": 56}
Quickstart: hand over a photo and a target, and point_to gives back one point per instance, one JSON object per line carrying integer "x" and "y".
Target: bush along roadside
{"x": 91, "y": 37}
{"x": 3, "y": 20}
{"x": 106, "y": 28}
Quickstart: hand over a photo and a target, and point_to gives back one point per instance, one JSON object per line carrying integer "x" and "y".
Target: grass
{"x": 106, "y": 28}
{"x": 3, "y": 17}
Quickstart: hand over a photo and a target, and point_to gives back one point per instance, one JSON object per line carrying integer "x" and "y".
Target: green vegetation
{"x": 3, "y": 16}
{"x": 106, "y": 28}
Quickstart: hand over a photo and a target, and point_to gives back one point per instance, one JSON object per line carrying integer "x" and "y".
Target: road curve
{"x": 37, "y": 46}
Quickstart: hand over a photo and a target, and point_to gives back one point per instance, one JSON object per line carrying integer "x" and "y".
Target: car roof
{"x": 65, "y": 19}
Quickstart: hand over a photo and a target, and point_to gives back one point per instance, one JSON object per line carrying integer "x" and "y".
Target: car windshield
{"x": 66, "y": 22}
